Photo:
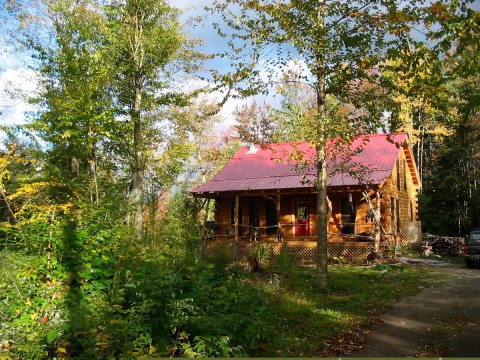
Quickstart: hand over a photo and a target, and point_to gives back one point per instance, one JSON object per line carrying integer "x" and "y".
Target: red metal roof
{"x": 292, "y": 165}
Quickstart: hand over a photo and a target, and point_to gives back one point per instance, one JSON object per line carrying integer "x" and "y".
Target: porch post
{"x": 237, "y": 206}
{"x": 197, "y": 208}
{"x": 235, "y": 220}
{"x": 205, "y": 218}
{"x": 378, "y": 224}
{"x": 279, "y": 225}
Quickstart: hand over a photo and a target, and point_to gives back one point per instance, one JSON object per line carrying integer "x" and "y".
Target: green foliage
{"x": 179, "y": 228}
{"x": 260, "y": 252}
{"x": 113, "y": 298}
{"x": 286, "y": 260}
{"x": 449, "y": 204}
{"x": 212, "y": 346}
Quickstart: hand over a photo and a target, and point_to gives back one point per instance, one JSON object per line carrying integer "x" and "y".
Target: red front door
{"x": 302, "y": 227}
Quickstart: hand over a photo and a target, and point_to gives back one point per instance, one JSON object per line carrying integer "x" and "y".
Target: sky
{"x": 15, "y": 77}
{"x": 18, "y": 80}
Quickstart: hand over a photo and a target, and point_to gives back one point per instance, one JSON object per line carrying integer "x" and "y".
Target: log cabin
{"x": 268, "y": 192}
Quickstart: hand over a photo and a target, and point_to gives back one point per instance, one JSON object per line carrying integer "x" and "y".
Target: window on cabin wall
{"x": 398, "y": 215}
{"x": 253, "y": 216}
{"x": 405, "y": 175}
{"x": 302, "y": 223}
{"x": 411, "y": 211}
{"x": 392, "y": 216}
{"x": 347, "y": 207}
{"x": 271, "y": 217}
{"x": 398, "y": 174}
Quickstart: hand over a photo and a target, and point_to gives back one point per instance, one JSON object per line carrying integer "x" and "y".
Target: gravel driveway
{"x": 443, "y": 320}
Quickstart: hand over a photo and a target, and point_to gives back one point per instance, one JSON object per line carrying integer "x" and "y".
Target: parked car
{"x": 471, "y": 250}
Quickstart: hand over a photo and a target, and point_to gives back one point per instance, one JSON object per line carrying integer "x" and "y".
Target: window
{"x": 302, "y": 210}
{"x": 253, "y": 215}
{"x": 405, "y": 175}
{"x": 271, "y": 217}
{"x": 398, "y": 215}
{"x": 392, "y": 215}
{"x": 302, "y": 223}
{"x": 348, "y": 215}
{"x": 398, "y": 174}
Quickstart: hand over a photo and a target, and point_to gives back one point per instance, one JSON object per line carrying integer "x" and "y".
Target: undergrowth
{"x": 152, "y": 305}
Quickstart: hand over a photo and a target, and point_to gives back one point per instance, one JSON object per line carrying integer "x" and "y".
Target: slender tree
{"x": 74, "y": 110}
{"x": 147, "y": 47}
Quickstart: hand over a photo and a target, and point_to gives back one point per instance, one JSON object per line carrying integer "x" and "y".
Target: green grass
{"x": 305, "y": 320}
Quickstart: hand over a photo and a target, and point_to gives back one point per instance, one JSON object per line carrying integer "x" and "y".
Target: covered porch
{"x": 281, "y": 217}
{"x": 279, "y": 222}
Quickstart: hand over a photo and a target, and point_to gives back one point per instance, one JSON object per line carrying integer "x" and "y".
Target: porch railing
{"x": 409, "y": 235}
{"x": 258, "y": 233}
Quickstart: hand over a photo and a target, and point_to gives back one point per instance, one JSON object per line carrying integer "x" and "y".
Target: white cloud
{"x": 185, "y": 4}
{"x": 16, "y": 85}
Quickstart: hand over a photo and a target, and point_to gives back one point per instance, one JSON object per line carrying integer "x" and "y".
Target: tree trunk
{"x": 322, "y": 233}
{"x": 377, "y": 217}
{"x": 92, "y": 166}
{"x": 137, "y": 171}
{"x": 136, "y": 195}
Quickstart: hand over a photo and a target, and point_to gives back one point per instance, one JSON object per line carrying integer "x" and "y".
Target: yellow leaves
{"x": 152, "y": 350}
{"x": 440, "y": 11}
{"x": 6, "y": 345}
{"x": 65, "y": 208}
{"x": 25, "y": 161}
{"x": 6, "y": 225}
{"x": 399, "y": 30}
{"x": 28, "y": 190}
{"x": 437, "y": 8}
{"x": 400, "y": 99}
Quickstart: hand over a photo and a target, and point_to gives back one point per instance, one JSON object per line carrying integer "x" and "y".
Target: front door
{"x": 302, "y": 227}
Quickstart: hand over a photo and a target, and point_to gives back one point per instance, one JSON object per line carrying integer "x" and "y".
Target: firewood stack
{"x": 445, "y": 245}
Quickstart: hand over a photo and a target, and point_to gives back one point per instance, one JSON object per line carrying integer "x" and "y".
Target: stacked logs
{"x": 445, "y": 245}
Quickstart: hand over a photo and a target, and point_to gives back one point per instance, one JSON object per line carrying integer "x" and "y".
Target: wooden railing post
{"x": 237, "y": 206}
{"x": 279, "y": 225}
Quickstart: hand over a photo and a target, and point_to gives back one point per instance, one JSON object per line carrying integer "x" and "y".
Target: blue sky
{"x": 15, "y": 77}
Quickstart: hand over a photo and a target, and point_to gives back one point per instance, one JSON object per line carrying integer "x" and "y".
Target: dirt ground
{"x": 443, "y": 320}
